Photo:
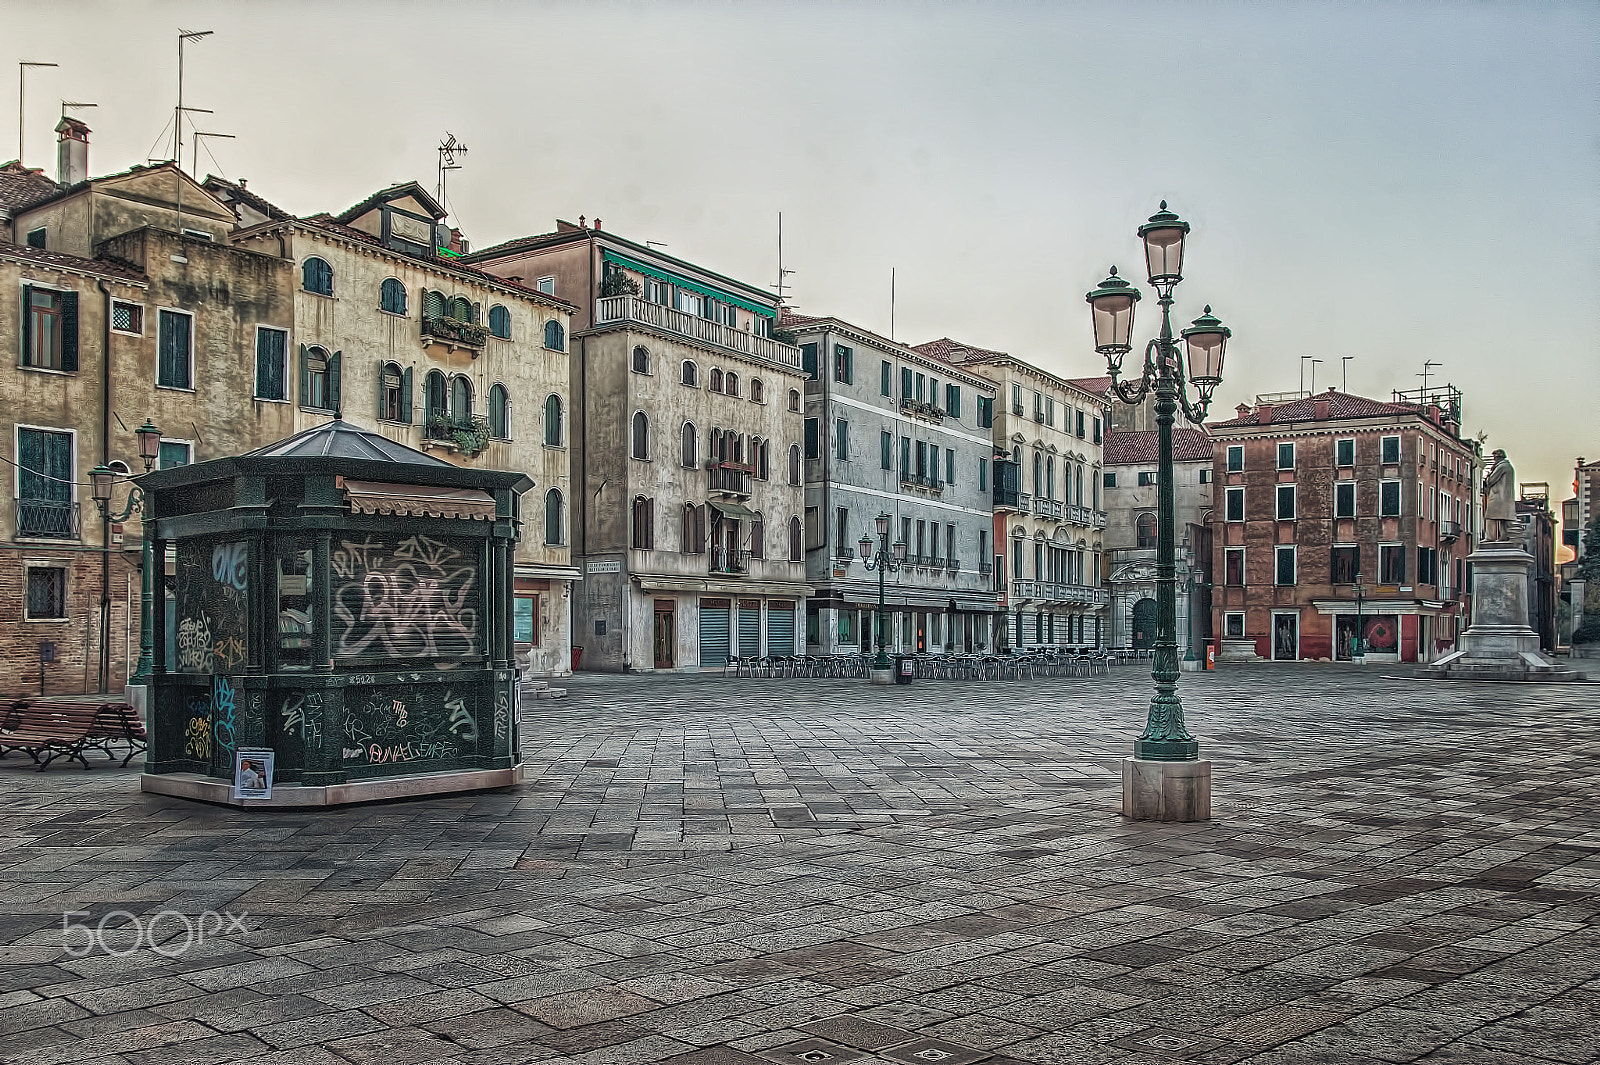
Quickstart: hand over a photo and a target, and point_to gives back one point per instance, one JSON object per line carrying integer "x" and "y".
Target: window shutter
{"x": 305, "y": 375}
{"x": 69, "y": 330}
{"x": 405, "y": 395}
{"x": 27, "y": 325}
{"x": 333, "y": 382}
{"x": 383, "y": 368}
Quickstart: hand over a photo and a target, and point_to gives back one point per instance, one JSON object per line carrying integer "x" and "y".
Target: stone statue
{"x": 1499, "y": 500}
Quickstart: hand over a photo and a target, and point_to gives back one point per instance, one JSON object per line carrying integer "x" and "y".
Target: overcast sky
{"x": 1395, "y": 182}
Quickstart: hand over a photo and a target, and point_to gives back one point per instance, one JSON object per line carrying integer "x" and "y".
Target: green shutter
{"x": 333, "y": 382}
{"x": 69, "y": 331}
{"x": 405, "y": 395}
{"x": 27, "y": 325}
{"x": 305, "y": 375}
{"x": 383, "y": 369}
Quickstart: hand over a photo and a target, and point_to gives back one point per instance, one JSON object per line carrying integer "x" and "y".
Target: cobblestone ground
{"x": 715, "y": 872}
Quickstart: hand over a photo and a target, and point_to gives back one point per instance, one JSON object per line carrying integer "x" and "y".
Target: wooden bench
{"x": 47, "y": 729}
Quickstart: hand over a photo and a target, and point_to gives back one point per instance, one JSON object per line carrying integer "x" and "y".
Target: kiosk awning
{"x": 418, "y": 500}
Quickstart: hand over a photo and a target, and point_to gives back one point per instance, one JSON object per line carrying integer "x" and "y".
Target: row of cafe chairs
{"x": 1041, "y": 662}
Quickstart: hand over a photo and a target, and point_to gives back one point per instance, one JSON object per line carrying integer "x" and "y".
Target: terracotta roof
{"x": 1128, "y": 449}
{"x": 22, "y": 186}
{"x": 1340, "y": 405}
{"x": 111, "y": 267}
{"x": 537, "y": 240}
{"x": 327, "y": 222}
{"x": 1100, "y": 386}
{"x": 954, "y": 352}
{"x": 245, "y": 196}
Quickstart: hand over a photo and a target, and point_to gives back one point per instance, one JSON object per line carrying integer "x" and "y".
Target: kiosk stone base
{"x": 376, "y": 789}
{"x": 1166, "y": 791}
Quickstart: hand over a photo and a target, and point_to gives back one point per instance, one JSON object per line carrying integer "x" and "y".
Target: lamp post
{"x": 101, "y": 479}
{"x": 1358, "y": 648}
{"x": 885, "y": 560}
{"x": 1166, "y": 742}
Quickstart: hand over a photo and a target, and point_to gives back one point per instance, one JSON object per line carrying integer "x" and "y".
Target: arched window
{"x": 1038, "y": 473}
{"x": 1016, "y": 456}
{"x": 715, "y": 381}
{"x": 395, "y": 405}
{"x": 765, "y": 470}
{"x": 319, "y": 378}
{"x": 691, "y": 373}
{"x": 694, "y": 529}
{"x": 641, "y": 435}
{"x": 794, "y": 463}
{"x": 317, "y": 276}
{"x": 552, "y": 420}
{"x": 461, "y": 309}
{"x": 436, "y": 397}
{"x": 1147, "y": 530}
{"x": 757, "y": 392}
{"x": 499, "y": 412}
{"x": 730, "y": 383}
{"x": 641, "y": 359}
{"x": 796, "y": 545}
{"x": 758, "y": 536}
{"x": 461, "y": 398}
{"x": 794, "y": 399}
{"x": 691, "y": 446}
{"x": 644, "y": 523}
{"x": 392, "y": 298}
{"x": 500, "y": 322}
{"x": 555, "y": 337}
{"x": 554, "y": 518}
{"x": 1050, "y": 476}
{"x": 432, "y": 303}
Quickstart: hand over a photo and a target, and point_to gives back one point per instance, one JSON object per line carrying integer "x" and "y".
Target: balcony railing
{"x": 1048, "y": 508}
{"x": 922, "y": 482}
{"x": 1006, "y": 499}
{"x": 985, "y": 568}
{"x": 609, "y": 309}
{"x": 1449, "y": 531}
{"x": 469, "y": 435}
{"x": 1024, "y": 503}
{"x": 1056, "y": 592}
{"x": 733, "y": 480}
{"x": 728, "y": 562}
{"x": 47, "y": 518}
{"x": 1099, "y": 519}
{"x": 927, "y": 411}
{"x": 1080, "y": 515}
{"x": 455, "y": 331}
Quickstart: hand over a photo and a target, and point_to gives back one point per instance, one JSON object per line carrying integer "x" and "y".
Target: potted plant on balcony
{"x": 470, "y": 438}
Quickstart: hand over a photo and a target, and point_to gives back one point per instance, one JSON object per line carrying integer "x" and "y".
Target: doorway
{"x": 1285, "y": 637}
{"x": 1346, "y": 628}
{"x": 1144, "y": 624}
{"x": 664, "y": 639}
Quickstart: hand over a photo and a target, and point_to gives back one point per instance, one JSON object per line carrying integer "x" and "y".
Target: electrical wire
{"x": 49, "y": 477}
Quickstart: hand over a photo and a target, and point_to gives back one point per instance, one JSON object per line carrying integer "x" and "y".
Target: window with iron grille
{"x": 47, "y": 593}
{"x": 127, "y": 317}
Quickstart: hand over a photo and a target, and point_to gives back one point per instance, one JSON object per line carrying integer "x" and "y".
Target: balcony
{"x": 1024, "y": 503}
{"x": 729, "y": 479}
{"x": 1048, "y": 508}
{"x": 921, "y": 482}
{"x": 1056, "y": 592}
{"x": 614, "y": 310}
{"x": 952, "y": 565}
{"x": 985, "y": 568}
{"x": 468, "y": 435}
{"x": 455, "y": 332}
{"x": 48, "y": 519}
{"x": 1080, "y": 515}
{"x": 1449, "y": 532}
{"x": 1006, "y": 498}
{"x": 1099, "y": 519}
{"x": 728, "y": 562}
{"x": 1021, "y": 590}
{"x": 928, "y": 412}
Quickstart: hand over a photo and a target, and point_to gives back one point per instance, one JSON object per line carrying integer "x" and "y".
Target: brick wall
{"x": 76, "y": 639}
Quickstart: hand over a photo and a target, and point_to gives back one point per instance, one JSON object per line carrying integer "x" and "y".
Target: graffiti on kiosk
{"x": 298, "y": 722}
{"x": 416, "y": 598}
{"x": 194, "y": 644}
{"x": 462, "y": 723}
{"x": 223, "y": 717}
{"x": 228, "y": 651}
{"x": 228, "y": 565}
{"x": 502, "y": 713}
{"x": 197, "y": 734}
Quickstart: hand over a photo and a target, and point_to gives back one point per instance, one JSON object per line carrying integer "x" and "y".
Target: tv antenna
{"x": 1427, "y": 368}
{"x": 22, "y": 72}
{"x": 177, "y": 112}
{"x": 449, "y": 148}
{"x": 1344, "y": 372}
{"x": 1314, "y": 374}
{"x": 783, "y": 275}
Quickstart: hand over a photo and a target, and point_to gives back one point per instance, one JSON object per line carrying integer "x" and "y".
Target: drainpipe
{"x": 105, "y": 459}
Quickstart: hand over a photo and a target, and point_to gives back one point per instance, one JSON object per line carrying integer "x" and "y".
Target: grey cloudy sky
{"x": 1395, "y": 182}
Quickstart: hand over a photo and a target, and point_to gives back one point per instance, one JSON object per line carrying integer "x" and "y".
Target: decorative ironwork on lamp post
{"x": 101, "y": 479}
{"x": 885, "y": 560}
{"x": 1165, "y": 738}
{"x": 1358, "y": 647}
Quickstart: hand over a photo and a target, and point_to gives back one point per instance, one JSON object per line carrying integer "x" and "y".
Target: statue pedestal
{"x": 1499, "y": 644}
{"x": 1239, "y": 651}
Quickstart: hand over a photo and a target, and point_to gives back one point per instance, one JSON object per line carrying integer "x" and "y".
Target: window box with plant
{"x": 469, "y": 435}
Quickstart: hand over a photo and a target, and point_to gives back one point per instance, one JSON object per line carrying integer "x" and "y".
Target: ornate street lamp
{"x": 1166, "y": 739}
{"x": 1358, "y": 650}
{"x": 885, "y": 560}
{"x": 101, "y": 480}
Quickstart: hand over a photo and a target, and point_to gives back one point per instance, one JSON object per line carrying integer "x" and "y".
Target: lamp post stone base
{"x": 1166, "y": 791}
{"x": 138, "y": 696}
{"x": 882, "y": 676}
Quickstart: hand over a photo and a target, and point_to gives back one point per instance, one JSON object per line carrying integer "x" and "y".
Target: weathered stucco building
{"x": 686, "y": 450}
{"x": 1319, "y": 495}
{"x": 400, "y": 337}
{"x": 1048, "y": 515}
{"x": 889, "y": 430}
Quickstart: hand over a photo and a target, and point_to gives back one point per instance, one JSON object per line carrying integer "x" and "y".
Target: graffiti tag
{"x": 228, "y": 565}
{"x": 194, "y": 644}
{"x": 222, "y": 712}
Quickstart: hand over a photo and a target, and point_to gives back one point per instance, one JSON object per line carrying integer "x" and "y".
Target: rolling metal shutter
{"x": 714, "y": 632}
{"x": 749, "y": 627}
{"x": 780, "y": 628}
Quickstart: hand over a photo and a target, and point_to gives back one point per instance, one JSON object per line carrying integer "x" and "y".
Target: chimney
{"x": 1242, "y": 409}
{"x": 72, "y": 151}
{"x": 244, "y": 183}
{"x": 597, "y": 221}
{"x": 1264, "y": 414}
{"x": 1321, "y": 409}
{"x": 582, "y": 222}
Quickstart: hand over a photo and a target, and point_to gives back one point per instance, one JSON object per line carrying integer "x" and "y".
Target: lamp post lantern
{"x": 885, "y": 559}
{"x": 1358, "y": 649}
{"x": 1165, "y": 752}
{"x": 101, "y": 480}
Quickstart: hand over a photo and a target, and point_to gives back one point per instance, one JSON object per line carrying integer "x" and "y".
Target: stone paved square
{"x": 723, "y": 872}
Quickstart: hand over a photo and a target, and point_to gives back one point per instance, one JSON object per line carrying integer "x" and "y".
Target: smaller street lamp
{"x": 101, "y": 481}
{"x": 1358, "y": 650}
{"x": 885, "y": 560}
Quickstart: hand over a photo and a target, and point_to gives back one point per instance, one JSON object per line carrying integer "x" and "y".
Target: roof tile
{"x": 1340, "y": 405}
{"x": 1141, "y": 448}
{"x": 110, "y": 267}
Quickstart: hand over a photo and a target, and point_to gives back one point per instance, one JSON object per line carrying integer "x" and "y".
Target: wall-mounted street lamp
{"x": 101, "y": 481}
{"x": 885, "y": 560}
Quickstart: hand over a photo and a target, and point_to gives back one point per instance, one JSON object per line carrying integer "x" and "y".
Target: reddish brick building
{"x": 1330, "y": 491}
